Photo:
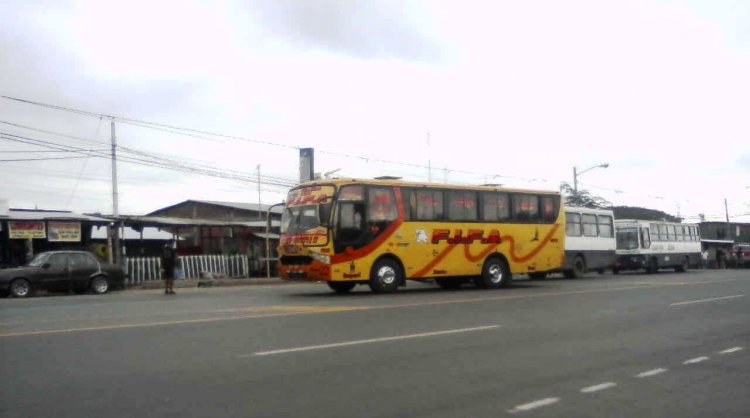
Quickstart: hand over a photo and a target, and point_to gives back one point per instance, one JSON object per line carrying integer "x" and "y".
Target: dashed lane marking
{"x": 705, "y": 300}
{"x": 533, "y": 405}
{"x": 597, "y": 388}
{"x": 695, "y": 360}
{"x": 731, "y": 350}
{"x": 650, "y": 373}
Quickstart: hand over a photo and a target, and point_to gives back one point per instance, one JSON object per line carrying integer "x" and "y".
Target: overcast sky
{"x": 510, "y": 92}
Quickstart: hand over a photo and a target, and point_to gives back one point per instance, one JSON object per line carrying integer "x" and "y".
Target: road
{"x": 627, "y": 345}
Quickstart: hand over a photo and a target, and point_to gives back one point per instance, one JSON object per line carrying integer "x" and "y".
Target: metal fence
{"x": 144, "y": 269}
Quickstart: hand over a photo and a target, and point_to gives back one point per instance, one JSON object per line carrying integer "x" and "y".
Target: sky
{"x": 470, "y": 92}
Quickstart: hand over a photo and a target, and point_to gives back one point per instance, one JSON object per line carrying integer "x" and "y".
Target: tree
{"x": 582, "y": 198}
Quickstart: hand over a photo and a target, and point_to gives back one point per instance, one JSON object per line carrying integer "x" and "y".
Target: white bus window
{"x": 670, "y": 233}
{"x": 663, "y": 235}
{"x": 573, "y": 224}
{"x": 462, "y": 205}
{"x": 605, "y": 226}
{"x": 645, "y": 238}
{"x": 589, "y": 225}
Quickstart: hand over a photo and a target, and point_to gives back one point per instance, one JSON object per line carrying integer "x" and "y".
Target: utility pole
{"x": 259, "y": 216}
{"x": 429, "y": 162}
{"x": 575, "y": 181}
{"x": 114, "y": 250}
{"x": 726, "y": 211}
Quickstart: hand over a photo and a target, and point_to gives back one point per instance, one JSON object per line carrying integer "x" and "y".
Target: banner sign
{"x": 26, "y": 230}
{"x": 64, "y": 231}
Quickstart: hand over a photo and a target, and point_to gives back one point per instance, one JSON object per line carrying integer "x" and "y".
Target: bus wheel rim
{"x": 496, "y": 273}
{"x": 386, "y": 275}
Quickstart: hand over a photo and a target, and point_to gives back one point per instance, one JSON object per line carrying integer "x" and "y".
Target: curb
{"x": 194, "y": 283}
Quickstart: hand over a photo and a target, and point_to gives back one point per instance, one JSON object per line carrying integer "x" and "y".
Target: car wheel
{"x": 341, "y": 287}
{"x": 385, "y": 276}
{"x": 20, "y": 288}
{"x": 495, "y": 274}
{"x": 100, "y": 285}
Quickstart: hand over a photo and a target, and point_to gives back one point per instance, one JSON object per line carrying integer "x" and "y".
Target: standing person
{"x": 168, "y": 265}
{"x": 704, "y": 259}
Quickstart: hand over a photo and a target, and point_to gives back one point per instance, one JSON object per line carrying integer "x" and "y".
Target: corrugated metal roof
{"x": 45, "y": 215}
{"x": 169, "y": 221}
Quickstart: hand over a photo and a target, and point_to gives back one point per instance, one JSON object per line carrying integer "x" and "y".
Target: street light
{"x": 576, "y": 174}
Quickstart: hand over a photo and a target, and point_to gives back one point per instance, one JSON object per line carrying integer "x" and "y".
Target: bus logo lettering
{"x": 471, "y": 235}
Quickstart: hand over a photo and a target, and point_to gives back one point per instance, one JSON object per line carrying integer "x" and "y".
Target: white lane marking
{"x": 695, "y": 360}
{"x": 533, "y": 405}
{"x": 650, "y": 373}
{"x": 597, "y": 388}
{"x": 369, "y": 341}
{"x": 731, "y": 350}
{"x": 705, "y": 300}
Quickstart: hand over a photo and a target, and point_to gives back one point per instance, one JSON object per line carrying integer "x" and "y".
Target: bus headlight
{"x": 325, "y": 259}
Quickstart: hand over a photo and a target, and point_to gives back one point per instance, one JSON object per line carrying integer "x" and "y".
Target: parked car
{"x": 61, "y": 271}
{"x": 739, "y": 256}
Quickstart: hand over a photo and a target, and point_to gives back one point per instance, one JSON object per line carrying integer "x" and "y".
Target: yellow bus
{"x": 384, "y": 231}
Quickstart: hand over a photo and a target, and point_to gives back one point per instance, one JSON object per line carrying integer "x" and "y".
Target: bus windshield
{"x": 627, "y": 239}
{"x": 300, "y": 219}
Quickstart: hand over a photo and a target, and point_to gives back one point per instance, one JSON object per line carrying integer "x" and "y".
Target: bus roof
{"x": 624, "y": 222}
{"x": 402, "y": 183}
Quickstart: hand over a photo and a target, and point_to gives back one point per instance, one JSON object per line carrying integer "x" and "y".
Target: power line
{"x": 41, "y": 159}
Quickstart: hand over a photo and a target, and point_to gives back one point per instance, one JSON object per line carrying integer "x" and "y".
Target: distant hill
{"x": 628, "y": 212}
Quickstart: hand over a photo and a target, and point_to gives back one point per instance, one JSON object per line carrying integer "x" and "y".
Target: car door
{"x": 55, "y": 274}
{"x": 82, "y": 267}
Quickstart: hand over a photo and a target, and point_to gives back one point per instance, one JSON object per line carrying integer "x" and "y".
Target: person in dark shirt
{"x": 168, "y": 265}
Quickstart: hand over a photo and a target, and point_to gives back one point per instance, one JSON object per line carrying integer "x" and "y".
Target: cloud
{"x": 363, "y": 29}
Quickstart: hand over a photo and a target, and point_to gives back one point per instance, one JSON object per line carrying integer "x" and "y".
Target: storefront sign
{"x": 26, "y": 230}
{"x": 64, "y": 231}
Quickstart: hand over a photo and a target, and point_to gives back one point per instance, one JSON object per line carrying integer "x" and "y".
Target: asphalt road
{"x": 665, "y": 345}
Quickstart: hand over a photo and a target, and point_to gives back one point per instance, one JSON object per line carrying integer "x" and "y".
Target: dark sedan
{"x": 61, "y": 271}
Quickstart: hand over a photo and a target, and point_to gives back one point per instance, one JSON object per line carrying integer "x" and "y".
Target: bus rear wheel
{"x": 495, "y": 274}
{"x": 385, "y": 276}
{"x": 341, "y": 287}
{"x": 682, "y": 267}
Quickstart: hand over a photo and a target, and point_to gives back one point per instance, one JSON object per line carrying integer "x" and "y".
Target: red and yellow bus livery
{"x": 382, "y": 232}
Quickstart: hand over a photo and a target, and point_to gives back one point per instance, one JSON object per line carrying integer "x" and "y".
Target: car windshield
{"x": 303, "y": 218}
{"x": 627, "y": 239}
{"x": 38, "y": 260}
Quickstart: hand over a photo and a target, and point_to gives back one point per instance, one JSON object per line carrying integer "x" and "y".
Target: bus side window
{"x": 645, "y": 238}
{"x": 589, "y": 225}
{"x": 350, "y": 216}
{"x": 573, "y": 224}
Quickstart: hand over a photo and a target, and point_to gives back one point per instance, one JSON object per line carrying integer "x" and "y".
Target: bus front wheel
{"x": 385, "y": 276}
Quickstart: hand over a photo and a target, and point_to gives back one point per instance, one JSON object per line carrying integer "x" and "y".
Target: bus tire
{"x": 579, "y": 268}
{"x": 495, "y": 274}
{"x": 385, "y": 276}
{"x": 341, "y": 287}
{"x": 449, "y": 282}
{"x": 682, "y": 267}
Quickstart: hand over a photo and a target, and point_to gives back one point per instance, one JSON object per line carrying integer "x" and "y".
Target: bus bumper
{"x": 630, "y": 262}
{"x": 314, "y": 271}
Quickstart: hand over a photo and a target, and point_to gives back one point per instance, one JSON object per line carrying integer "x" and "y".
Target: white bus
{"x": 589, "y": 241}
{"x": 651, "y": 245}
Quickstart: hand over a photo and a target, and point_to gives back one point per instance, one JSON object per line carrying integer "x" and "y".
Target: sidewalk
{"x": 193, "y": 283}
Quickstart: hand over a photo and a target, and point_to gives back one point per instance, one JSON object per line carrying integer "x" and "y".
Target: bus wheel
{"x": 449, "y": 282}
{"x": 579, "y": 268}
{"x": 538, "y": 275}
{"x": 682, "y": 267}
{"x": 341, "y": 287}
{"x": 495, "y": 274}
{"x": 385, "y": 276}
